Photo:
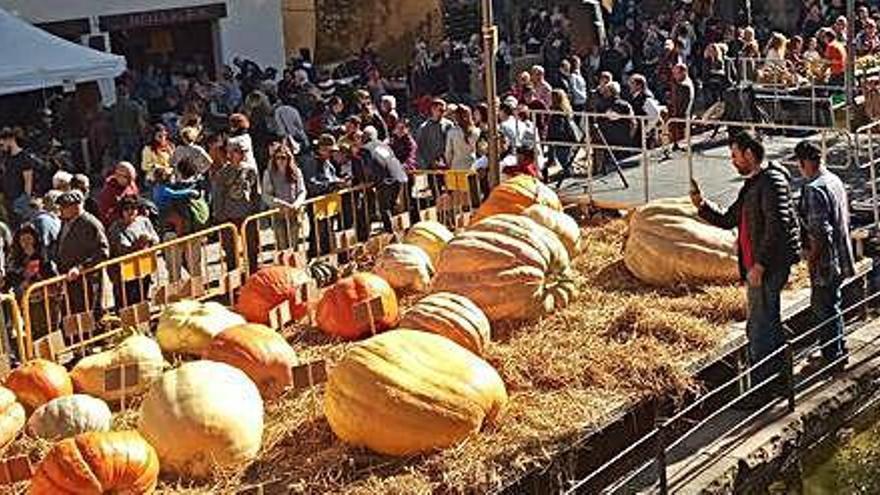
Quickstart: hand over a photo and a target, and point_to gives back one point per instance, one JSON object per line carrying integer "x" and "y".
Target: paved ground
{"x": 713, "y": 171}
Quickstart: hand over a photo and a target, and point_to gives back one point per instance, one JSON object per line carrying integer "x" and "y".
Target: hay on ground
{"x": 620, "y": 341}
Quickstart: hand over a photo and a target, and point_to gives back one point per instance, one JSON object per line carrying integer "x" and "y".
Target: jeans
{"x": 825, "y": 303}
{"x": 764, "y": 326}
{"x": 388, "y": 194}
{"x": 561, "y": 155}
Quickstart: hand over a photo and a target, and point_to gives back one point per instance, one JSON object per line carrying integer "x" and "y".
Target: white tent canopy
{"x": 31, "y": 59}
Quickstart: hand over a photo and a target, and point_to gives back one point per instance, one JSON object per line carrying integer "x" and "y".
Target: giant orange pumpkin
{"x": 268, "y": 288}
{"x": 98, "y": 462}
{"x": 263, "y": 355}
{"x": 515, "y": 195}
{"x": 342, "y": 310}
{"x": 39, "y": 381}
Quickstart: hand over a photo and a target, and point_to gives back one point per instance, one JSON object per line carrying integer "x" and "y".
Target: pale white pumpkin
{"x": 405, "y": 266}
{"x": 69, "y": 416}
{"x": 188, "y": 326}
{"x": 12, "y": 416}
{"x": 89, "y": 374}
{"x": 669, "y": 244}
{"x": 202, "y": 416}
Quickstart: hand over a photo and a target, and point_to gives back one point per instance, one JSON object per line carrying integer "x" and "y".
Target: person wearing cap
{"x": 130, "y": 233}
{"x": 189, "y": 149}
{"x": 325, "y": 180}
{"x": 823, "y": 209}
{"x": 431, "y": 137}
{"x": 81, "y": 183}
{"x": 122, "y": 182}
{"x": 82, "y": 243}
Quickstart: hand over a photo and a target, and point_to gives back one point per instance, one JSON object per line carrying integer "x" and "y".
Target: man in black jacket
{"x": 768, "y": 245}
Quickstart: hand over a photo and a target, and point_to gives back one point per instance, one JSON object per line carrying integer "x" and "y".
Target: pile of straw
{"x": 618, "y": 342}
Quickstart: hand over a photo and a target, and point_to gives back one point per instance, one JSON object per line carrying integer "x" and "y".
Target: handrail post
{"x": 690, "y": 149}
{"x": 789, "y": 376}
{"x": 873, "y": 174}
{"x": 591, "y": 160}
{"x": 646, "y": 160}
{"x": 660, "y": 455}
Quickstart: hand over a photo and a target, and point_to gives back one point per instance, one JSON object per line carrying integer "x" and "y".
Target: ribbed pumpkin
{"x": 405, "y": 392}
{"x": 188, "y": 326}
{"x": 336, "y": 311}
{"x": 668, "y": 244}
{"x": 69, "y": 416}
{"x": 98, "y": 462}
{"x": 404, "y": 267}
{"x": 268, "y": 288}
{"x": 560, "y": 224}
{"x": 452, "y": 316}
{"x": 515, "y": 195}
{"x": 12, "y": 416}
{"x": 323, "y": 273}
{"x": 511, "y": 267}
{"x": 90, "y": 372}
{"x": 202, "y": 416}
{"x": 429, "y": 235}
{"x": 258, "y": 351}
{"x": 37, "y": 382}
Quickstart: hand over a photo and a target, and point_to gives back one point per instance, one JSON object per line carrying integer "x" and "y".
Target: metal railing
{"x": 343, "y": 221}
{"x": 196, "y": 266}
{"x": 652, "y": 136}
{"x": 793, "y": 352}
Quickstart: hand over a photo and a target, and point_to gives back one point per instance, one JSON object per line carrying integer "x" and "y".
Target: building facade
{"x": 207, "y": 32}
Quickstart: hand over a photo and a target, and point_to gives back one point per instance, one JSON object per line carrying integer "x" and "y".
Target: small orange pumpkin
{"x": 263, "y": 355}
{"x": 98, "y": 462}
{"x": 342, "y": 311}
{"x": 268, "y": 288}
{"x": 39, "y": 381}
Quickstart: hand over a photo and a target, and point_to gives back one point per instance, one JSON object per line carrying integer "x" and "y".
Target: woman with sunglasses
{"x": 284, "y": 187}
{"x": 131, "y": 233}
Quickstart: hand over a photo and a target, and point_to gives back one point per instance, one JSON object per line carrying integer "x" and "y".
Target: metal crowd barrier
{"x": 62, "y": 317}
{"x": 670, "y": 432}
{"x": 341, "y": 222}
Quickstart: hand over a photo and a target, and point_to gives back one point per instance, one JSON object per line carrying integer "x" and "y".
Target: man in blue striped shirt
{"x": 824, "y": 216}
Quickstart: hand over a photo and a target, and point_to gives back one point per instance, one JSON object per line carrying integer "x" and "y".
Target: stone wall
{"x": 392, "y": 26}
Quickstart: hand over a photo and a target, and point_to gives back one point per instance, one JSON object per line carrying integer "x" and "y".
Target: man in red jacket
{"x": 122, "y": 182}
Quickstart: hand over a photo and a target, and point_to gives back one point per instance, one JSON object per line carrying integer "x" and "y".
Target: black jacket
{"x": 773, "y": 226}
